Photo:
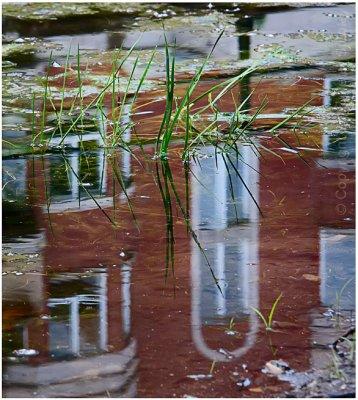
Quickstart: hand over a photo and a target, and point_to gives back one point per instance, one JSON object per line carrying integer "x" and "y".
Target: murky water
{"x": 92, "y": 304}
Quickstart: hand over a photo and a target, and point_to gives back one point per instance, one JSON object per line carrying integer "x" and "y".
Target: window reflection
{"x": 18, "y": 215}
{"x": 336, "y": 94}
{"x": 337, "y": 267}
{"x": 14, "y": 180}
{"x": 66, "y": 175}
{"x": 60, "y": 178}
{"x": 83, "y": 173}
{"x": 221, "y": 200}
{"x": 81, "y": 316}
{"x": 226, "y": 218}
{"x": 78, "y": 323}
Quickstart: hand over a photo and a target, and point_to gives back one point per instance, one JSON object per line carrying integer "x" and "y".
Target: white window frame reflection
{"x": 74, "y": 303}
{"x": 74, "y": 142}
{"x": 247, "y": 243}
{"x": 126, "y": 271}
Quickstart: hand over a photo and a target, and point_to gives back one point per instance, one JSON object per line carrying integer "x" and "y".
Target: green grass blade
{"x": 286, "y": 120}
{"x": 273, "y": 308}
{"x": 99, "y": 96}
{"x": 88, "y": 192}
{"x": 245, "y": 185}
{"x": 258, "y": 312}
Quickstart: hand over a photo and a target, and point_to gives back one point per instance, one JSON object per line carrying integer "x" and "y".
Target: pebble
{"x": 244, "y": 383}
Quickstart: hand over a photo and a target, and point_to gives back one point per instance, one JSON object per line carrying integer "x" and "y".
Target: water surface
{"x": 92, "y": 305}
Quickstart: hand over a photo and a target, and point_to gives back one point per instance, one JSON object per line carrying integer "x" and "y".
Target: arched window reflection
{"x": 226, "y": 219}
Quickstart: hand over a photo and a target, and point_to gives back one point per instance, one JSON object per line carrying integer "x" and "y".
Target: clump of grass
{"x": 179, "y": 115}
{"x": 268, "y": 320}
{"x": 199, "y": 125}
{"x": 336, "y": 368}
{"x": 339, "y": 295}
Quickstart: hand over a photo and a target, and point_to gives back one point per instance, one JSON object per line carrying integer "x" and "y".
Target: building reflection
{"x": 84, "y": 347}
{"x": 80, "y": 323}
{"x": 100, "y": 305}
{"x": 94, "y": 327}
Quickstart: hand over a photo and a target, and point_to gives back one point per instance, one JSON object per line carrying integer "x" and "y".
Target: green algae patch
{"x": 60, "y": 10}
{"x": 23, "y": 49}
{"x": 11, "y": 50}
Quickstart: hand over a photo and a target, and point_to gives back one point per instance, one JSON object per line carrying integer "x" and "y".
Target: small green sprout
{"x": 268, "y": 321}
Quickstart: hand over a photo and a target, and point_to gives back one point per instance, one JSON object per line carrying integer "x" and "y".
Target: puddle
{"x": 102, "y": 289}
{"x": 128, "y": 275}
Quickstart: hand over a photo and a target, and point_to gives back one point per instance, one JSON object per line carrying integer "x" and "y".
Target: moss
{"x": 60, "y": 10}
{"x": 12, "y": 50}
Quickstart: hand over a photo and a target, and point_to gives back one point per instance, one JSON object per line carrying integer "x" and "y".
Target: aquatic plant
{"x": 196, "y": 125}
{"x": 183, "y": 116}
{"x": 339, "y": 295}
{"x": 268, "y": 320}
{"x": 337, "y": 371}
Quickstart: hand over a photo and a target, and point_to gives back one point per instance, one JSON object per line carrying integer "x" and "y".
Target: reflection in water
{"x": 78, "y": 324}
{"x": 79, "y": 330}
{"x": 91, "y": 301}
{"x": 337, "y": 269}
{"x": 95, "y": 326}
{"x": 98, "y": 322}
{"x": 228, "y": 221}
{"x": 19, "y": 216}
{"x": 74, "y": 341}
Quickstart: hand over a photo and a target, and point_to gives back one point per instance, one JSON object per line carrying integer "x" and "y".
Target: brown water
{"x": 97, "y": 310}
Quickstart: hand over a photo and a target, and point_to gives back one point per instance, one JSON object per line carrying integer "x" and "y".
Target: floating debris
{"x": 243, "y": 383}
{"x": 25, "y": 352}
{"x": 289, "y": 150}
{"x": 200, "y": 377}
{"x": 329, "y": 313}
{"x": 276, "y": 367}
{"x": 226, "y": 353}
